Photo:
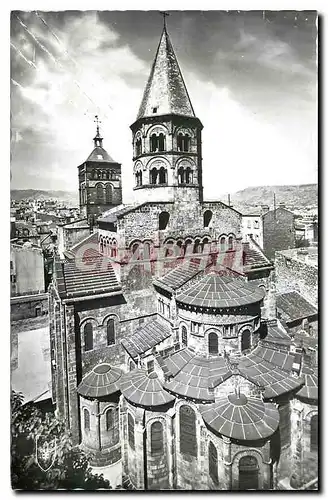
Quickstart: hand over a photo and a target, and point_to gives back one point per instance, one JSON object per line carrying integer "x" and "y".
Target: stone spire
{"x": 165, "y": 92}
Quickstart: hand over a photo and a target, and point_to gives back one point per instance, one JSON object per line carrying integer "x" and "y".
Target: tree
{"x": 71, "y": 468}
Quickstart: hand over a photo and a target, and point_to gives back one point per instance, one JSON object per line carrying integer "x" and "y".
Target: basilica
{"x": 166, "y": 351}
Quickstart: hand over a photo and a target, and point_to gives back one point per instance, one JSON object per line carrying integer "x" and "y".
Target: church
{"x": 166, "y": 352}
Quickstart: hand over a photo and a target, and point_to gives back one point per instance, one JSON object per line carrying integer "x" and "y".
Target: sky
{"x": 251, "y": 77}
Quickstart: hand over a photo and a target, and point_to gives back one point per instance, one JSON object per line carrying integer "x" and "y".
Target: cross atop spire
{"x": 164, "y": 14}
{"x": 97, "y": 121}
{"x": 97, "y": 139}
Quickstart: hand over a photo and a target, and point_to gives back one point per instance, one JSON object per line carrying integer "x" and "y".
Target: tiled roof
{"x": 89, "y": 275}
{"x": 165, "y": 89}
{"x": 145, "y": 337}
{"x": 102, "y": 380}
{"x": 144, "y": 389}
{"x": 310, "y": 388}
{"x": 180, "y": 275}
{"x": 197, "y": 378}
{"x": 295, "y": 306}
{"x": 100, "y": 154}
{"x": 112, "y": 215}
{"x": 88, "y": 244}
{"x": 271, "y": 369}
{"x": 278, "y": 335}
{"x": 254, "y": 258}
{"x": 220, "y": 292}
{"x": 242, "y": 418}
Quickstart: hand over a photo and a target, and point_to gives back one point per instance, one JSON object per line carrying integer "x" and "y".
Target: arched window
{"x": 99, "y": 174}
{"x": 207, "y": 218}
{"x": 131, "y": 431}
{"x": 100, "y": 193}
{"x": 188, "y": 438}
{"x": 139, "y": 178}
{"x": 163, "y": 220}
{"x": 248, "y": 473}
{"x": 109, "y": 193}
{"x": 162, "y": 176}
{"x": 132, "y": 365}
{"x": 114, "y": 248}
{"x": 104, "y": 174}
{"x": 213, "y": 463}
{"x": 180, "y": 142}
{"x": 88, "y": 337}
{"x": 111, "y": 331}
{"x": 188, "y": 246}
{"x": 161, "y": 142}
{"x": 93, "y": 174}
{"x": 188, "y": 176}
{"x": 156, "y": 438}
{"x": 153, "y": 143}
{"x": 222, "y": 244}
{"x": 213, "y": 345}
{"x": 146, "y": 250}
{"x": 153, "y": 176}
{"x": 197, "y": 246}
{"x": 186, "y": 142}
{"x": 314, "y": 433}
{"x": 184, "y": 335}
{"x": 109, "y": 419}
{"x": 135, "y": 249}
{"x": 230, "y": 243}
{"x": 101, "y": 245}
{"x": 245, "y": 340}
{"x": 138, "y": 147}
{"x": 181, "y": 175}
{"x": 86, "y": 416}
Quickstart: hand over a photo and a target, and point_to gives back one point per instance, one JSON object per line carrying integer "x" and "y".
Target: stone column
{"x": 296, "y": 479}
{"x": 139, "y": 453}
{"x": 227, "y": 480}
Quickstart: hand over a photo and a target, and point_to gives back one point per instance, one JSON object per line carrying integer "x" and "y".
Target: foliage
{"x": 70, "y": 470}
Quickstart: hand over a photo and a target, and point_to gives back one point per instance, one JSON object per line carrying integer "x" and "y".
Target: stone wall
{"x": 278, "y": 231}
{"x": 293, "y": 273}
{"x": 28, "y": 306}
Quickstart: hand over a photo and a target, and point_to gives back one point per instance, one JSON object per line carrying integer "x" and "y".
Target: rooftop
{"x": 99, "y": 154}
{"x": 242, "y": 418}
{"x": 102, "y": 380}
{"x": 214, "y": 291}
{"x": 146, "y": 337}
{"x": 308, "y": 255}
{"x": 294, "y": 306}
{"x": 165, "y": 92}
{"x": 144, "y": 389}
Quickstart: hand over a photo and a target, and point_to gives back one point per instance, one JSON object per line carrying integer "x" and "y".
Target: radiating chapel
{"x": 166, "y": 352}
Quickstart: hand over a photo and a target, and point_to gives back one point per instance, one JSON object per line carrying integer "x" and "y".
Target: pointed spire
{"x": 97, "y": 139}
{"x": 165, "y": 92}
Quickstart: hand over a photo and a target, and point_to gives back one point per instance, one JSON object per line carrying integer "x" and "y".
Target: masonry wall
{"x": 278, "y": 231}
{"x": 28, "y": 307}
{"x": 296, "y": 274}
{"x": 28, "y": 268}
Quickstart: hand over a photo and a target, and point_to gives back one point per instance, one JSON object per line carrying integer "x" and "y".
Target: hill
{"x": 69, "y": 197}
{"x": 297, "y": 196}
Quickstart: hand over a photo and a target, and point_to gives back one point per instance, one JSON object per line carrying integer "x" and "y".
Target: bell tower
{"x": 100, "y": 180}
{"x": 167, "y": 157}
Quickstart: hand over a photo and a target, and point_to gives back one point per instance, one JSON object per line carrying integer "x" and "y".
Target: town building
{"x": 166, "y": 351}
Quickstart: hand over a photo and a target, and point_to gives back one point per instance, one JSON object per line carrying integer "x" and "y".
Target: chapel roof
{"x": 145, "y": 337}
{"x": 295, "y": 306}
{"x": 242, "y": 418}
{"x": 101, "y": 381}
{"x": 144, "y": 389}
{"x": 310, "y": 388}
{"x": 165, "y": 91}
{"x": 216, "y": 291}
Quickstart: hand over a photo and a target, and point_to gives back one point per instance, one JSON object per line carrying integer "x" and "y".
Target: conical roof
{"x": 242, "y": 418}
{"x": 101, "y": 381}
{"x": 165, "y": 92}
{"x": 144, "y": 389}
{"x": 218, "y": 291}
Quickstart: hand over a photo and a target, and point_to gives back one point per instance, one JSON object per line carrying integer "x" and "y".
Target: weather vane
{"x": 164, "y": 14}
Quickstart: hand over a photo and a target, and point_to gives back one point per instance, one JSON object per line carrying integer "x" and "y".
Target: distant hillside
{"x": 300, "y": 196}
{"x": 36, "y": 194}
